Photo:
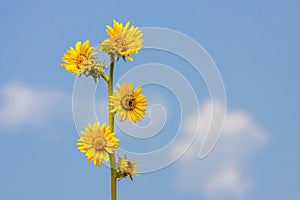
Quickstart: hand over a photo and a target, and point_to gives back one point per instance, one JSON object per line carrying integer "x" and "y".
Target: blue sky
{"x": 255, "y": 45}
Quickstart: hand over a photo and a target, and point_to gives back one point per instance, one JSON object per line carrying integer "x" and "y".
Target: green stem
{"x": 105, "y": 77}
{"x": 113, "y": 172}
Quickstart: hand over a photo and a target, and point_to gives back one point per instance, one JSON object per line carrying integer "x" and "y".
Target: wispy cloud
{"x": 226, "y": 172}
{"x": 22, "y": 105}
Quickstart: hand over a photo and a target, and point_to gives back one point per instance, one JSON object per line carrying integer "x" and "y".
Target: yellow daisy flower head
{"x": 97, "y": 143}
{"x": 79, "y": 59}
{"x": 128, "y": 103}
{"x": 116, "y": 29}
{"x": 126, "y": 168}
{"x": 123, "y": 40}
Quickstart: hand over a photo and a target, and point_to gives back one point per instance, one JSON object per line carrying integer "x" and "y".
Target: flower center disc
{"x": 81, "y": 59}
{"x": 99, "y": 143}
{"x": 127, "y": 102}
{"x": 122, "y": 44}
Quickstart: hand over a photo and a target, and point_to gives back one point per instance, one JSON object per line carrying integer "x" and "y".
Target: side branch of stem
{"x": 105, "y": 77}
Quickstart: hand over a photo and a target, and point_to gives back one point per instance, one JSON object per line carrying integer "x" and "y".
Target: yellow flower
{"x": 116, "y": 29}
{"x": 97, "y": 142}
{"x": 123, "y": 41}
{"x": 79, "y": 59}
{"x": 128, "y": 103}
{"x": 126, "y": 168}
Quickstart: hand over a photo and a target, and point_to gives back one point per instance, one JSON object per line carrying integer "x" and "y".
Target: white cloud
{"x": 22, "y": 105}
{"x": 226, "y": 172}
{"x": 228, "y": 181}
